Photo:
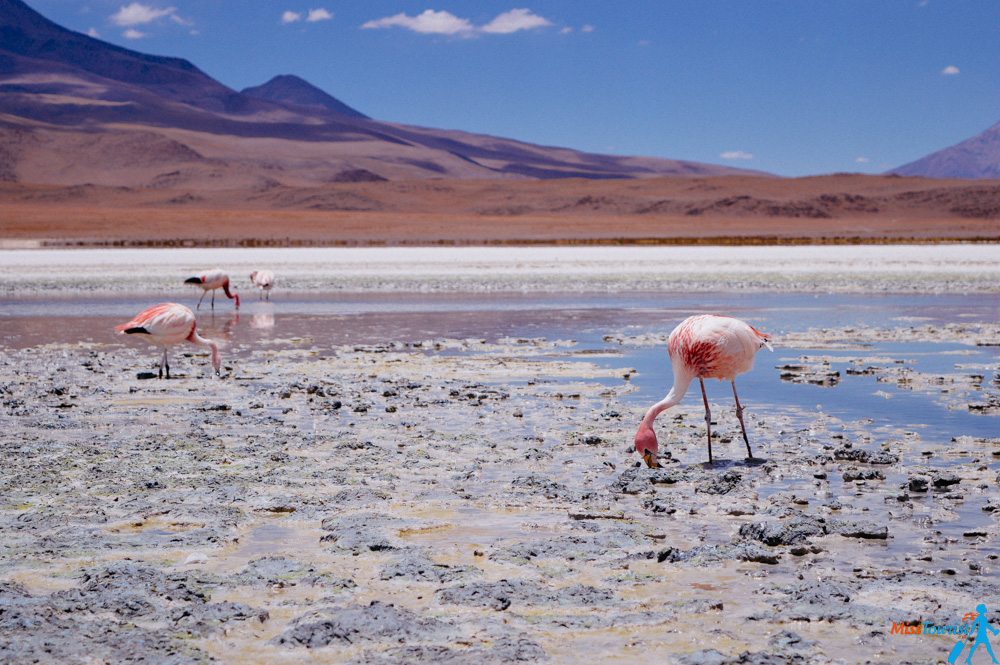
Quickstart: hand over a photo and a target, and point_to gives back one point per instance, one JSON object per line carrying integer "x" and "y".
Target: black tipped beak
{"x": 650, "y": 460}
{"x": 193, "y": 280}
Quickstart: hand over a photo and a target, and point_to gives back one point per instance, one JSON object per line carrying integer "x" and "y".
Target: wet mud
{"x": 471, "y": 501}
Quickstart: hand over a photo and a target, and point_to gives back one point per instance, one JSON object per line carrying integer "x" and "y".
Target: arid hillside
{"x": 364, "y": 210}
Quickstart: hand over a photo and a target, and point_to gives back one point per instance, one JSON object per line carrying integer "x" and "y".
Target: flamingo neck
{"x": 676, "y": 394}
{"x": 195, "y": 338}
{"x": 231, "y": 296}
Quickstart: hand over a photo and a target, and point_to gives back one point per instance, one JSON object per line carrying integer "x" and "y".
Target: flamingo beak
{"x": 193, "y": 280}
{"x": 650, "y": 461}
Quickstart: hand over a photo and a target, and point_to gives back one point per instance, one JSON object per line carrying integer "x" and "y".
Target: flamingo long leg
{"x": 739, "y": 416}
{"x": 708, "y": 418}
{"x": 163, "y": 362}
{"x": 200, "y": 299}
{"x": 213, "y": 299}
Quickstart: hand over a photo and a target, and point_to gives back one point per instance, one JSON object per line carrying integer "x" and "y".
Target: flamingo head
{"x": 235, "y": 296}
{"x": 646, "y": 445}
{"x": 253, "y": 275}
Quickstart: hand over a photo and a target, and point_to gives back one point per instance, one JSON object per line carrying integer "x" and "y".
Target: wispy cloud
{"x": 290, "y": 17}
{"x": 515, "y": 20}
{"x": 951, "y": 70}
{"x": 94, "y": 33}
{"x": 132, "y": 33}
{"x": 320, "y": 14}
{"x": 587, "y": 28}
{"x": 736, "y": 154}
{"x": 431, "y": 22}
{"x": 861, "y": 160}
{"x": 139, "y": 14}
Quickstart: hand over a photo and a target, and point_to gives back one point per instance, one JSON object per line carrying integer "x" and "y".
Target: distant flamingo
{"x": 210, "y": 281}
{"x": 706, "y": 347}
{"x": 264, "y": 280}
{"x": 168, "y": 324}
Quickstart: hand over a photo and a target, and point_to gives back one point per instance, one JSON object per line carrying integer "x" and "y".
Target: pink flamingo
{"x": 264, "y": 280}
{"x": 707, "y": 347}
{"x": 168, "y": 324}
{"x": 210, "y": 281}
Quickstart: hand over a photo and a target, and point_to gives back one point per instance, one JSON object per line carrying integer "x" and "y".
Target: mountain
{"x": 290, "y": 89}
{"x": 76, "y": 110}
{"x": 977, "y": 157}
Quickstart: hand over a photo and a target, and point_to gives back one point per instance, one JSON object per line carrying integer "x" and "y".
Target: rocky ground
{"x": 463, "y": 501}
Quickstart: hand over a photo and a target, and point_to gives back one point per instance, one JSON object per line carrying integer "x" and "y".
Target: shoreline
{"x": 677, "y": 241}
{"x": 917, "y": 268}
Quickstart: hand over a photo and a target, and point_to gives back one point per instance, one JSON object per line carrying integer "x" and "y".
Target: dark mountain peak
{"x": 26, "y": 33}
{"x": 290, "y": 89}
{"x": 973, "y": 158}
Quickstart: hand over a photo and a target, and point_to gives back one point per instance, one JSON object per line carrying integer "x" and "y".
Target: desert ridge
{"x": 731, "y": 209}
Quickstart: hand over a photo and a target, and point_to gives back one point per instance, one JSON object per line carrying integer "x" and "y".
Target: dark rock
{"x": 420, "y": 568}
{"x": 853, "y": 529}
{"x": 501, "y": 595}
{"x": 864, "y": 456}
{"x": 202, "y": 619}
{"x": 722, "y": 484}
{"x": 360, "y": 532}
{"x": 855, "y": 473}
{"x": 946, "y": 480}
{"x": 541, "y": 485}
{"x": 357, "y": 624}
{"x": 777, "y": 532}
{"x": 503, "y": 651}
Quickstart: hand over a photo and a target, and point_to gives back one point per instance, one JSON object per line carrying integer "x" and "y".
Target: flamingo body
{"x": 166, "y": 325}
{"x": 210, "y": 280}
{"x": 263, "y": 280}
{"x": 704, "y": 346}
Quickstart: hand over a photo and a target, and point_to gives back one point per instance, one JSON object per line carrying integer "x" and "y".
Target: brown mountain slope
{"x": 56, "y": 84}
{"x": 727, "y": 209}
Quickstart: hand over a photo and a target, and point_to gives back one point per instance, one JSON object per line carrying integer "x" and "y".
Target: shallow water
{"x": 329, "y": 320}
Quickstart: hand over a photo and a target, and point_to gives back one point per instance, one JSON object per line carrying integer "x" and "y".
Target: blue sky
{"x": 794, "y": 87}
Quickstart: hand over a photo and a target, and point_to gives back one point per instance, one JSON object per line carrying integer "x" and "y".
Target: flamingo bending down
{"x": 166, "y": 325}
{"x": 264, "y": 280}
{"x": 210, "y": 281}
{"x": 707, "y": 347}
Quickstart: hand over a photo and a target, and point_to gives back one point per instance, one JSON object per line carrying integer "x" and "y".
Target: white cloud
{"x": 139, "y": 14}
{"x": 587, "y": 28}
{"x": 862, "y": 160}
{"x": 565, "y": 31}
{"x": 318, "y": 15}
{"x": 736, "y": 154}
{"x": 951, "y": 70}
{"x": 290, "y": 17}
{"x": 94, "y": 33}
{"x": 515, "y": 20}
{"x": 429, "y": 22}
{"x": 132, "y": 33}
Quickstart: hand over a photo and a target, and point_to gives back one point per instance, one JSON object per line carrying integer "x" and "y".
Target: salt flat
{"x": 860, "y": 268}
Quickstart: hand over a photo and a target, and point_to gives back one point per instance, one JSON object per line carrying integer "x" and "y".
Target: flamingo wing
{"x": 165, "y": 323}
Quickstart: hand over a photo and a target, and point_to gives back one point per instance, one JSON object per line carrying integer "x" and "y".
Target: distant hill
{"x": 77, "y": 110}
{"x": 977, "y": 157}
{"x": 290, "y": 89}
